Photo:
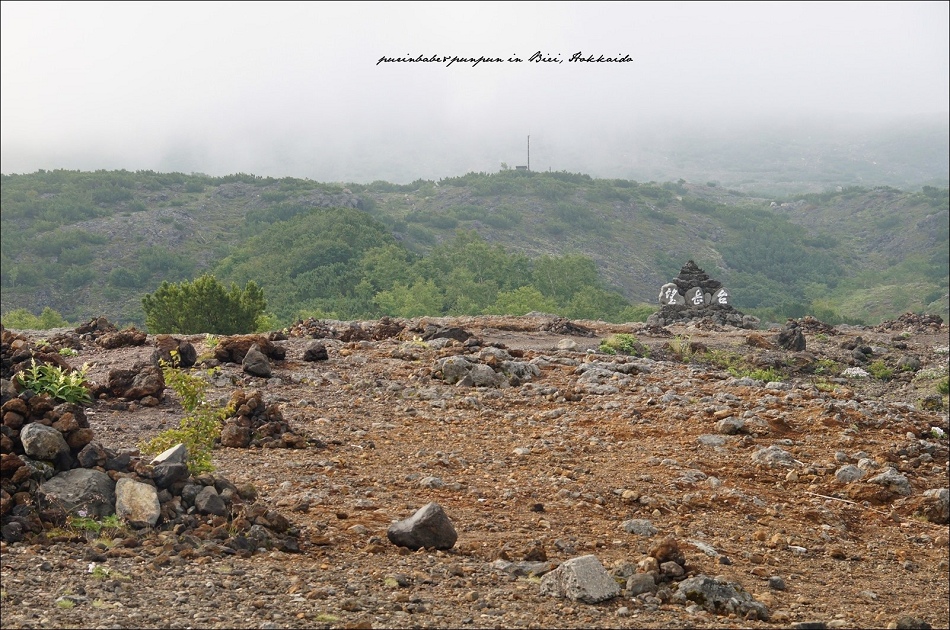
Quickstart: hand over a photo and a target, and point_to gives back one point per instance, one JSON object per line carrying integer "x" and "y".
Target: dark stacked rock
{"x": 694, "y": 296}
{"x": 912, "y": 323}
{"x": 51, "y": 467}
{"x": 95, "y": 328}
{"x": 127, "y": 338}
{"x": 691, "y": 276}
{"x": 233, "y": 349}
{"x": 385, "y": 328}
{"x": 563, "y": 326}
{"x": 257, "y": 424}
{"x": 791, "y": 337}
{"x": 17, "y": 354}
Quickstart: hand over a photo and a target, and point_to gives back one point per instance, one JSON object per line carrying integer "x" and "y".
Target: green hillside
{"x": 89, "y": 244}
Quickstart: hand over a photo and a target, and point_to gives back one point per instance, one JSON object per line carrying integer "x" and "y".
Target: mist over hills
{"x": 767, "y": 155}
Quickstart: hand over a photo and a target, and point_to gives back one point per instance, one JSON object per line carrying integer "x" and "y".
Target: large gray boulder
{"x": 255, "y": 363}
{"x": 209, "y": 501}
{"x": 893, "y": 481}
{"x": 42, "y": 442}
{"x": 137, "y": 503}
{"x": 429, "y": 527}
{"x": 80, "y": 489}
{"x": 720, "y": 597}
{"x": 583, "y": 579}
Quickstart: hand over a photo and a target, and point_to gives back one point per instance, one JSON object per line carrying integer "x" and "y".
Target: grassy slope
{"x": 637, "y": 240}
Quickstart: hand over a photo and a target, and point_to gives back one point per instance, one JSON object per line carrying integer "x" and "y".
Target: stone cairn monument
{"x": 692, "y": 296}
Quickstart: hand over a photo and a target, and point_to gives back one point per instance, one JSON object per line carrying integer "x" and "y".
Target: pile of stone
{"x": 912, "y": 323}
{"x": 693, "y": 297}
{"x": 815, "y": 326}
{"x": 563, "y": 326}
{"x": 384, "y": 328}
{"x": 95, "y": 328}
{"x": 234, "y": 349}
{"x": 493, "y": 367}
{"x": 143, "y": 383}
{"x": 258, "y": 425}
{"x": 51, "y": 467}
{"x": 17, "y": 354}
{"x": 99, "y": 331}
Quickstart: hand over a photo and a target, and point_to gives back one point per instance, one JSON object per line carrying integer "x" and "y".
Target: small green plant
{"x": 82, "y": 521}
{"x": 200, "y": 427}
{"x": 99, "y": 571}
{"x": 878, "y": 369}
{"x": 681, "y": 348}
{"x": 768, "y": 375}
{"x": 42, "y": 344}
{"x": 943, "y": 386}
{"x": 623, "y": 343}
{"x": 825, "y": 367}
{"x": 721, "y": 358}
{"x": 740, "y": 368}
{"x": 65, "y": 603}
{"x": 62, "y": 385}
{"x": 67, "y": 352}
{"x": 212, "y": 341}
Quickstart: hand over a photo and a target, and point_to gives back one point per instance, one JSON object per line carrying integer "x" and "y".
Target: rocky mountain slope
{"x": 821, "y": 496}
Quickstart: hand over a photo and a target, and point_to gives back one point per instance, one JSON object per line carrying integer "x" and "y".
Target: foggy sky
{"x": 288, "y": 89}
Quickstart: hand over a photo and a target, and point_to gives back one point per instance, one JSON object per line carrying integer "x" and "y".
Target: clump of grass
{"x": 681, "y": 348}
{"x": 740, "y": 368}
{"x": 879, "y": 370}
{"x": 768, "y": 375}
{"x": 825, "y": 367}
{"x": 111, "y": 523}
{"x": 623, "y": 343}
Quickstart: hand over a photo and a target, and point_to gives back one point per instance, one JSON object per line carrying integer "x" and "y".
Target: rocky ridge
{"x": 707, "y": 498}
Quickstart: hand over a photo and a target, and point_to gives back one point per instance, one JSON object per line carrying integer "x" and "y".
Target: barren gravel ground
{"x": 550, "y": 468}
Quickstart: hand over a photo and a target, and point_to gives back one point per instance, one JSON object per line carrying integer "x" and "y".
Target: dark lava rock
{"x": 429, "y": 527}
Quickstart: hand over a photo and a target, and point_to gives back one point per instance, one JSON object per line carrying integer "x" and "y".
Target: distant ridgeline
{"x": 693, "y": 295}
{"x": 93, "y": 243}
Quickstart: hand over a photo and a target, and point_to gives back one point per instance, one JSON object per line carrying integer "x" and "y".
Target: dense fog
{"x": 327, "y": 91}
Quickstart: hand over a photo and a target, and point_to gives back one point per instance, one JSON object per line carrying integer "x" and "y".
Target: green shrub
{"x": 943, "y": 387}
{"x": 878, "y": 369}
{"x": 824, "y": 367}
{"x": 23, "y": 319}
{"x": 204, "y": 306}
{"x": 200, "y": 427}
{"x": 61, "y": 384}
